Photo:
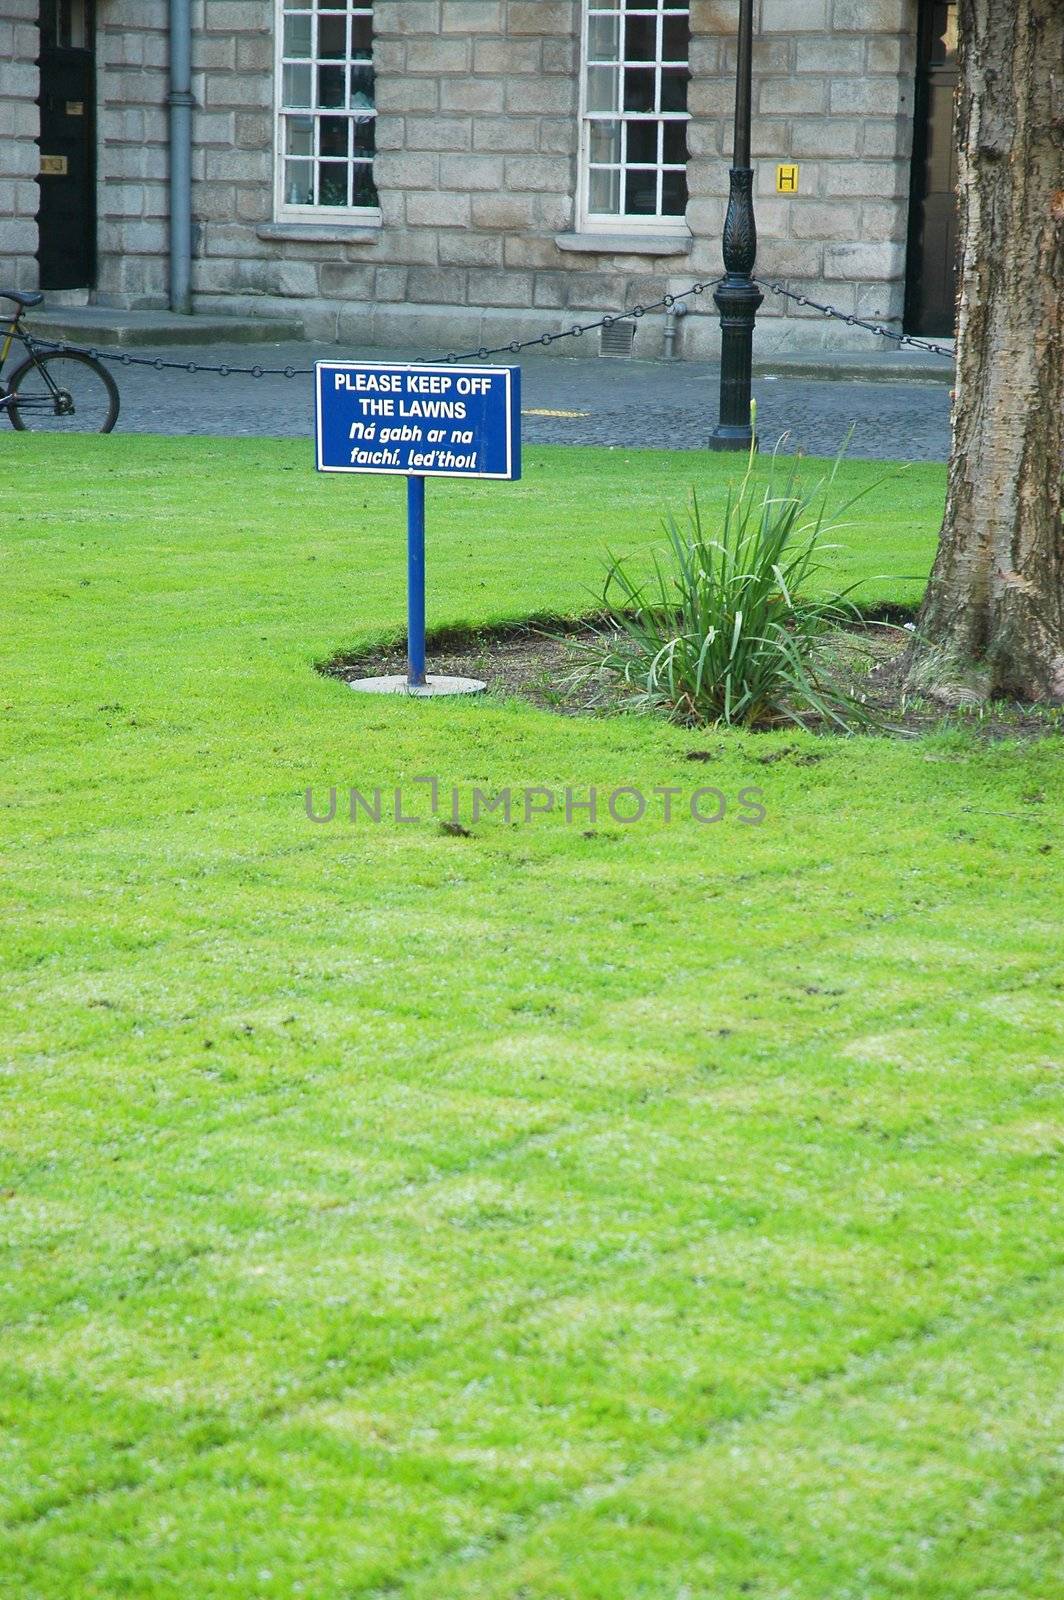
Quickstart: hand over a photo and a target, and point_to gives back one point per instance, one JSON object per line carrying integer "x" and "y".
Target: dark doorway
{"x": 931, "y": 274}
{"x": 66, "y": 218}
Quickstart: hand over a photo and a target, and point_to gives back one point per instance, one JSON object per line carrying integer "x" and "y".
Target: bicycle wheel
{"x": 63, "y": 392}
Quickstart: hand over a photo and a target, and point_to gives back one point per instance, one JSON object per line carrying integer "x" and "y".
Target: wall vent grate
{"x": 617, "y": 339}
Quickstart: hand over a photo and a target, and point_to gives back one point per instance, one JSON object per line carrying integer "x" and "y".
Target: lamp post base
{"x": 738, "y": 299}
{"x": 732, "y": 438}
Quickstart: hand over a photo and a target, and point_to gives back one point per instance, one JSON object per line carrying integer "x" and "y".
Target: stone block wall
{"x": 477, "y": 172}
{"x": 833, "y": 92}
{"x": 477, "y": 140}
{"x": 19, "y": 152}
{"x": 132, "y": 76}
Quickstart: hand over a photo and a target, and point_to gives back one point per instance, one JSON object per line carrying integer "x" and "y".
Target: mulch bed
{"x": 528, "y": 662}
{"x": 533, "y": 661}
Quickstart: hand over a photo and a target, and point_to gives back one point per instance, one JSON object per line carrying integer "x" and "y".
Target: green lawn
{"x": 665, "y": 1214}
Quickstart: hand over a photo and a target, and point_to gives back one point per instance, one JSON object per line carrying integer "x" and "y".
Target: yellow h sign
{"x": 787, "y": 180}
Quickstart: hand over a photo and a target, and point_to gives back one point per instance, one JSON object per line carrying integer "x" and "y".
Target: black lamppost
{"x": 737, "y": 296}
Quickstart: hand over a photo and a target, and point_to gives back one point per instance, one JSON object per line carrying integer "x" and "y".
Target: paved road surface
{"x": 601, "y": 401}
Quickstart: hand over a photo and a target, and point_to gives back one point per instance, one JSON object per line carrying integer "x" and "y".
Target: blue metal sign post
{"x": 415, "y": 582}
{"x": 418, "y": 422}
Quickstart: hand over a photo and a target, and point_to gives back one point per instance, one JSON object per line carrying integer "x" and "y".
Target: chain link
{"x": 483, "y": 353}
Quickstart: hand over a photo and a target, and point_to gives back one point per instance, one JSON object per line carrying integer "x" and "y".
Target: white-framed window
{"x": 326, "y": 112}
{"x": 633, "y": 145}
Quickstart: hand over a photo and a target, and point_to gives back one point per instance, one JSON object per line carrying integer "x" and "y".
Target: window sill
{"x": 626, "y": 244}
{"x": 321, "y": 232}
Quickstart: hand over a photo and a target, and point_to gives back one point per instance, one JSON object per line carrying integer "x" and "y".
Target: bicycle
{"x": 53, "y": 390}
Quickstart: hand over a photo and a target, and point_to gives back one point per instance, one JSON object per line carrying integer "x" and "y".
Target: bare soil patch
{"x": 529, "y": 662}
{"x": 536, "y": 661}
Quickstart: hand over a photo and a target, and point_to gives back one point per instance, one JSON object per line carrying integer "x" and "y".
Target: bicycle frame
{"x": 8, "y": 334}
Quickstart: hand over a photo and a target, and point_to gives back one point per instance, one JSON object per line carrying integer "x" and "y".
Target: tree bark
{"x": 993, "y": 616}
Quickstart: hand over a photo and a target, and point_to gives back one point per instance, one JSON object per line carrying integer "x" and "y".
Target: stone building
{"x": 457, "y": 171}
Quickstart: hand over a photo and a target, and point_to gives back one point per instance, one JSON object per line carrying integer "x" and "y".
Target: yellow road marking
{"x": 541, "y": 411}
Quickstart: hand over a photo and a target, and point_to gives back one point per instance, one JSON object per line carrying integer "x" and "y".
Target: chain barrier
{"x": 123, "y": 358}
{"x": 859, "y": 322}
{"x": 514, "y": 347}
{"x": 666, "y": 303}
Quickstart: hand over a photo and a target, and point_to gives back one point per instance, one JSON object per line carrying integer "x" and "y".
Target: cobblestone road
{"x": 595, "y": 401}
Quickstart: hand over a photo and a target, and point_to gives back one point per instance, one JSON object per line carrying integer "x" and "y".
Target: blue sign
{"x": 419, "y": 421}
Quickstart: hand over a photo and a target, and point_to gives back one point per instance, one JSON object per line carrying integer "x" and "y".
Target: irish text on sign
{"x": 419, "y": 421}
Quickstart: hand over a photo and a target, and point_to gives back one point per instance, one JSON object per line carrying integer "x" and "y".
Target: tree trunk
{"x": 993, "y": 617}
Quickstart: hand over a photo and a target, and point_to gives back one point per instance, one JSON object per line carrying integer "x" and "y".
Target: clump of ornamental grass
{"x": 725, "y": 628}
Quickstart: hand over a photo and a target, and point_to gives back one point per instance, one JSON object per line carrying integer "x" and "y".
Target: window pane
{"x": 605, "y": 146}
{"x": 674, "y": 88}
{"x": 330, "y": 86}
{"x": 675, "y": 153}
{"x": 362, "y": 88}
{"x": 674, "y": 5}
{"x": 297, "y": 36}
{"x": 365, "y": 135}
{"x": 602, "y": 89}
{"x": 299, "y": 183}
{"x": 299, "y": 136}
{"x": 297, "y": 86}
{"x": 641, "y": 39}
{"x": 605, "y": 191}
{"x": 603, "y": 39}
{"x": 641, "y": 194}
{"x": 674, "y": 194}
{"x": 332, "y": 38}
{"x": 362, "y": 38}
{"x": 332, "y": 5}
{"x": 643, "y": 142}
{"x": 639, "y": 88}
{"x": 334, "y": 136}
{"x": 332, "y": 183}
{"x": 364, "y": 190}
{"x": 675, "y": 39}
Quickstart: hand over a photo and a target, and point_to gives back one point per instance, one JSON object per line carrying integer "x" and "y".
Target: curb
{"x": 120, "y": 329}
{"x": 841, "y": 370}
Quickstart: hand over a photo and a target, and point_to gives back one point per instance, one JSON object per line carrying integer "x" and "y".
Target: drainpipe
{"x": 181, "y": 103}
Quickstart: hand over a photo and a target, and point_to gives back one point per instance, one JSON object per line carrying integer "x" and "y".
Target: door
{"x": 66, "y": 217}
{"x": 931, "y": 272}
